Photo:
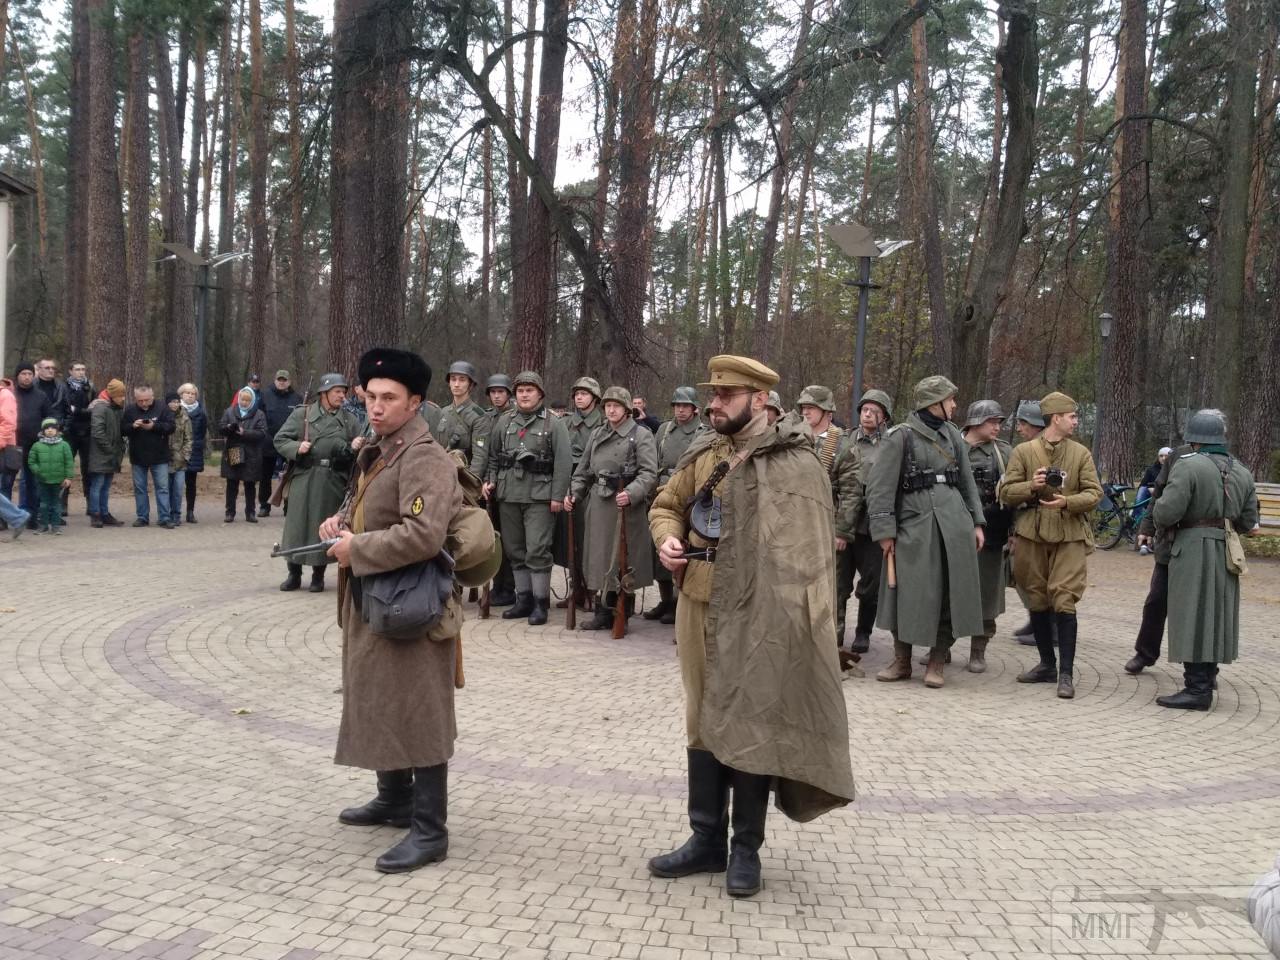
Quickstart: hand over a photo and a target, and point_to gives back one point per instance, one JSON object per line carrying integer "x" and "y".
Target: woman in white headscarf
{"x": 244, "y": 426}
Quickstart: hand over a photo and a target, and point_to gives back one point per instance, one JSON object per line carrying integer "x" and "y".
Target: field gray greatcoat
{"x": 936, "y": 553}
{"x": 319, "y": 479}
{"x": 631, "y": 454}
{"x": 1204, "y": 597}
{"x": 992, "y": 456}
{"x": 397, "y": 695}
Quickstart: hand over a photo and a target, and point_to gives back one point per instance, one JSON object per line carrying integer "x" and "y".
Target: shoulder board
{"x": 894, "y": 429}
{"x": 1193, "y": 453}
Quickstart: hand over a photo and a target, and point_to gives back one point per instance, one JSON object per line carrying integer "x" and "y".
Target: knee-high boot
{"x": 428, "y": 837}
{"x": 706, "y": 850}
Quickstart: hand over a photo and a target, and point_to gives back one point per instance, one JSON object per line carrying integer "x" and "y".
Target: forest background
{"x": 627, "y": 187}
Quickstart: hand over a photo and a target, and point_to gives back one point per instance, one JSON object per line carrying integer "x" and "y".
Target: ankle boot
{"x": 521, "y": 608}
{"x": 900, "y": 669}
{"x": 392, "y": 804}
{"x": 191, "y": 516}
{"x": 602, "y": 616}
{"x": 707, "y": 849}
{"x": 665, "y": 603}
{"x": 1197, "y": 689}
{"x": 933, "y": 673}
{"x": 317, "y": 580}
{"x": 428, "y": 837}
{"x": 294, "y": 579}
{"x": 977, "y": 655}
{"x": 750, "y": 808}
{"x": 928, "y": 655}
{"x": 1046, "y": 671}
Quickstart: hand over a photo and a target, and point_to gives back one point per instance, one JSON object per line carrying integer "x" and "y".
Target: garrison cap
{"x": 980, "y": 411}
{"x": 1029, "y": 412}
{"x": 818, "y": 396}
{"x": 1057, "y": 403}
{"x": 933, "y": 390}
{"x": 727, "y": 370}
{"x": 880, "y": 398}
{"x": 619, "y": 395}
{"x": 532, "y": 379}
{"x": 589, "y": 384}
{"x": 331, "y": 380}
{"x": 402, "y": 366}
{"x": 687, "y": 395}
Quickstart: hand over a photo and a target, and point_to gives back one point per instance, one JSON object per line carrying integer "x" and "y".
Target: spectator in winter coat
{"x": 78, "y": 393}
{"x": 53, "y": 464}
{"x": 189, "y": 397}
{"x": 105, "y": 452}
{"x": 147, "y": 425}
{"x": 278, "y": 402}
{"x": 180, "y": 444}
{"x": 10, "y": 453}
{"x": 244, "y": 425}
{"x": 33, "y": 407}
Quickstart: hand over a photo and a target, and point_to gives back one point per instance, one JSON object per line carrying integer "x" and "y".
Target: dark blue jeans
{"x": 159, "y": 473}
{"x": 99, "y": 491}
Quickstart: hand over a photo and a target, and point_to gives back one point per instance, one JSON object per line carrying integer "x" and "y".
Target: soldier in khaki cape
{"x": 763, "y": 703}
{"x": 673, "y": 439}
{"x": 1056, "y": 476}
{"x": 1207, "y": 489}
{"x": 618, "y": 472}
{"x": 582, "y": 423}
{"x": 397, "y": 694}
{"x": 988, "y": 455}
{"x": 925, "y": 513}
{"x": 855, "y": 550}
{"x": 529, "y": 468}
{"x": 455, "y": 430}
{"x": 321, "y": 466}
{"x": 498, "y": 389}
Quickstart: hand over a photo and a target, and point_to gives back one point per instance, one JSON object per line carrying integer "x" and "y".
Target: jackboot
{"x": 294, "y": 579}
{"x": 669, "y": 618}
{"x": 1066, "y": 625}
{"x": 938, "y": 657}
{"x": 1197, "y": 688}
{"x": 392, "y": 804}
{"x": 428, "y": 837}
{"x": 521, "y": 608}
{"x": 707, "y": 849}
{"x": 667, "y": 601}
{"x": 540, "y": 584}
{"x": 750, "y": 808}
{"x": 538, "y": 615}
{"x": 1046, "y": 671}
{"x": 317, "y": 580}
{"x": 900, "y": 669}
{"x": 977, "y": 654}
{"x": 602, "y": 617}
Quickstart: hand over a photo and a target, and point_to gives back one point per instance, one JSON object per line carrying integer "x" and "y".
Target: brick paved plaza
{"x": 168, "y": 788}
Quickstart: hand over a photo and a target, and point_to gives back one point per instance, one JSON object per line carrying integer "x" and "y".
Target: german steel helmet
{"x": 1029, "y": 412}
{"x": 589, "y": 384}
{"x": 877, "y": 397}
{"x": 774, "y": 402}
{"x": 687, "y": 395}
{"x": 499, "y": 381}
{"x": 532, "y": 379}
{"x": 618, "y": 395}
{"x": 466, "y": 369}
{"x": 933, "y": 390}
{"x": 331, "y": 380}
{"x": 980, "y": 411}
{"x": 1206, "y": 426}
{"x": 817, "y": 396}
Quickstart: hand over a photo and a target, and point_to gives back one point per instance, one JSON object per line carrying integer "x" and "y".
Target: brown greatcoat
{"x": 397, "y": 695}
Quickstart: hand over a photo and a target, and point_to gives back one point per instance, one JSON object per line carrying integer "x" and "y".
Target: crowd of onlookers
{"x": 48, "y": 424}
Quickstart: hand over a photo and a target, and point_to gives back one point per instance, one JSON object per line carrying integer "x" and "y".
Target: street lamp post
{"x": 1104, "y": 331}
{"x": 203, "y": 286}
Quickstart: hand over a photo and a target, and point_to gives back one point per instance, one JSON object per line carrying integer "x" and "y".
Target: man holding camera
{"x": 1057, "y": 478}
{"x": 988, "y": 455}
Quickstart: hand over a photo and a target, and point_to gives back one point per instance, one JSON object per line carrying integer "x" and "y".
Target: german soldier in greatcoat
{"x": 586, "y": 418}
{"x": 498, "y": 389}
{"x": 988, "y": 455}
{"x": 397, "y": 694}
{"x": 673, "y": 439}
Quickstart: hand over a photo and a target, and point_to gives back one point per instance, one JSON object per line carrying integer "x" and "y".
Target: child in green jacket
{"x": 53, "y": 463}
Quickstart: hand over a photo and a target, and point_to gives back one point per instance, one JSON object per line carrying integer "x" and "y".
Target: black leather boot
{"x": 294, "y": 580}
{"x": 862, "y": 629}
{"x": 707, "y": 850}
{"x": 317, "y": 580}
{"x": 750, "y": 807}
{"x": 538, "y": 615}
{"x": 521, "y": 608}
{"x": 392, "y": 805}
{"x": 1066, "y": 624}
{"x": 1046, "y": 671}
{"x": 667, "y": 601}
{"x": 602, "y": 616}
{"x": 1197, "y": 691}
{"x": 428, "y": 837}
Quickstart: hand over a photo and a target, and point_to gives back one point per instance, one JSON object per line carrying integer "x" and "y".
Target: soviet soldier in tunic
{"x": 1029, "y": 424}
{"x": 1056, "y": 476}
{"x": 925, "y": 513}
{"x": 1207, "y": 490}
{"x": 498, "y": 388}
{"x": 585, "y": 420}
{"x": 988, "y": 455}
{"x": 673, "y": 439}
{"x": 746, "y": 520}
{"x": 455, "y": 430}
{"x": 321, "y": 440}
{"x": 397, "y": 694}
{"x": 614, "y": 480}
{"x": 855, "y": 550}
{"x": 529, "y": 469}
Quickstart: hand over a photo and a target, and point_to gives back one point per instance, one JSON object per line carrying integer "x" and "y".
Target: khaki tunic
{"x": 319, "y": 479}
{"x": 628, "y": 452}
{"x": 397, "y": 695}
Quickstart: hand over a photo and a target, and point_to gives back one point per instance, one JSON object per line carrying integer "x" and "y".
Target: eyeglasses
{"x": 724, "y": 396}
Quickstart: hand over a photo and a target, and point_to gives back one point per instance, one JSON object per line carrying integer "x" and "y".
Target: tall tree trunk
{"x": 975, "y": 313}
{"x": 258, "y": 160}
{"x": 76, "y": 247}
{"x": 228, "y": 162}
{"x": 368, "y": 176}
{"x": 728, "y": 320}
{"x": 198, "y": 110}
{"x": 37, "y": 152}
{"x": 297, "y": 304}
{"x": 534, "y": 321}
{"x": 177, "y": 328}
{"x": 761, "y": 339}
{"x": 517, "y": 181}
{"x": 926, "y": 200}
{"x": 138, "y": 151}
{"x": 865, "y": 196}
{"x": 105, "y": 299}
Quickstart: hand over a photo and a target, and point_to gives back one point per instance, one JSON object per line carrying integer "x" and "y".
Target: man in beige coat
{"x": 397, "y": 694}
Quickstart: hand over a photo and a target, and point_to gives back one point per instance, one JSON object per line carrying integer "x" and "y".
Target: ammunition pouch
{"x": 915, "y": 480}
{"x": 610, "y": 484}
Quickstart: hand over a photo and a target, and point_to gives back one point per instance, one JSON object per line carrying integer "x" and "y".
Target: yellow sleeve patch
{"x": 416, "y": 507}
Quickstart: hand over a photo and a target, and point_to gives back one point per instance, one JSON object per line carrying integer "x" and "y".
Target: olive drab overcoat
{"x": 935, "y": 548}
{"x": 628, "y": 454}
{"x": 992, "y": 457}
{"x": 397, "y": 695}
{"x": 319, "y": 479}
{"x": 1204, "y": 597}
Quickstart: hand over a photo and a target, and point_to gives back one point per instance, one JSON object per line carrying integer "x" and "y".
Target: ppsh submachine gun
{"x": 702, "y": 514}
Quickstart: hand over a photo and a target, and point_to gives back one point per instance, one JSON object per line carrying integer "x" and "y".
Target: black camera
{"x": 1055, "y": 478}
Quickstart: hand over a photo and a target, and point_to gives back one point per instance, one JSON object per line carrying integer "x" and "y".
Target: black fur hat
{"x": 402, "y": 366}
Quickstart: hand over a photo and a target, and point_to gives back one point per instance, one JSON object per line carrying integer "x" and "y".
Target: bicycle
{"x": 1113, "y": 518}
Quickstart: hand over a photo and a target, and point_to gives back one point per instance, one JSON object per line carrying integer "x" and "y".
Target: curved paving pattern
{"x": 168, "y": 788}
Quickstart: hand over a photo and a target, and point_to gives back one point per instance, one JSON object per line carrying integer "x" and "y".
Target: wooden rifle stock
{"x": 620, "y": 610}
{"x": 484, "y": 594}
{"x": 571, "y": 608}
